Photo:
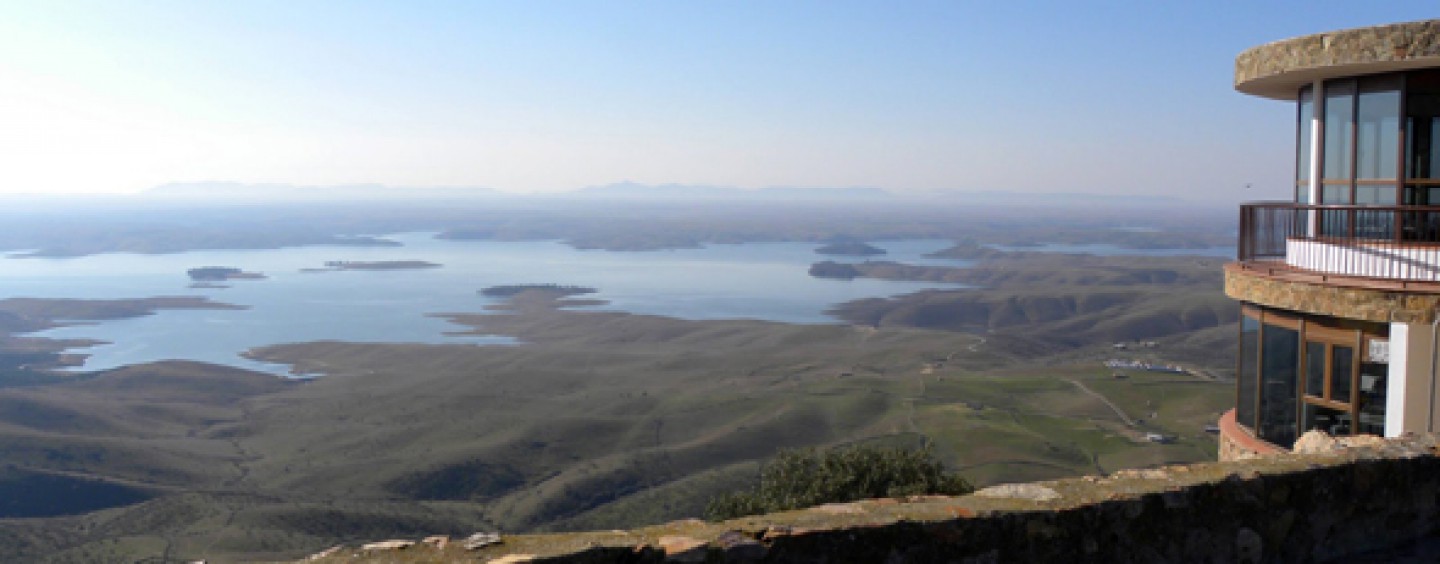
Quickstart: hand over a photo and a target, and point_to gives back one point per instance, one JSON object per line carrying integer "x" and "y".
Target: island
{"x": 834, "y": 270}
{"x": 510, "y": 290}
{"x": 221, "y": 273}
{"x": 850, "y": 248}
{"x": 334, "y": 265}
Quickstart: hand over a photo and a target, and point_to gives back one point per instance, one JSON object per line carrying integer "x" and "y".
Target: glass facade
{"x": 1278, "y": 364}
{"x": 1377, "y": 131}
{"x": 1339, "y": 136}
{"x": 1304, "y": 132}
{"x": 1422, "y": 147}
{"x": 1342, "y": 373}
{"x": 1379, "y": 145}
{"x": 1248, "y": 373}
{"x": 1372, "y": 398}
{"x": 1300, "y": 372}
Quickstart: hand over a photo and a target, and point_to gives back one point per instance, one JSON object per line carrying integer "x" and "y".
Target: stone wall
{"x": 1341, "y": 500}
{"x": 1330, "y": 298}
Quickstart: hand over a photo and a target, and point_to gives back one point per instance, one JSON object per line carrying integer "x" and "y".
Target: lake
{"x": 767, "y": 281}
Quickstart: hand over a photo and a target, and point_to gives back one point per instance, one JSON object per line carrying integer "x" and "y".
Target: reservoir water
{"x": 1115, "y": 250}
{"x": 768, "y": 281}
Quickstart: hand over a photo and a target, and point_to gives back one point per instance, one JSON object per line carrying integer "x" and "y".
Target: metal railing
{"x": 1388, "y": 242}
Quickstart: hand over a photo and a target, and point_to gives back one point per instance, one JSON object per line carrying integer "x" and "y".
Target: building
{"x": 1340, "y": 287}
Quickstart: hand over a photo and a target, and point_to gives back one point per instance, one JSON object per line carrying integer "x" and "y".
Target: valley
{"x": 598, "y": 418}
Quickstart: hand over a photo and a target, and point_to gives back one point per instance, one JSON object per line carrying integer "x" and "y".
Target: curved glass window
{"x": 1247, "y": 377}
{"x": 1377, "y": 130}
{"x": 1422, "y": 144}
{"x": 1278, "y": 364}
{"x": 1300, "y": 372}
{"x": 1360, "y": 147}
{"x": 1339, "y": 133}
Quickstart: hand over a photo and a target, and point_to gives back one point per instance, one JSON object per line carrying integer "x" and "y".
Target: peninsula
{"x": 221, "y": 273}
{"x": 508, "y": 290}
{"x": 334, "y": 265}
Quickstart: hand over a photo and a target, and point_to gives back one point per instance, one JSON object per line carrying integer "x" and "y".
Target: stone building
{"x": 1340, "y": 287}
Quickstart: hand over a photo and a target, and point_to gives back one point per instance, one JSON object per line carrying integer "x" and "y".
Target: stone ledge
{"x": 1351, "y": 302}
{"x": 1287, "y": 507}
{"x": 1279, "y": 69}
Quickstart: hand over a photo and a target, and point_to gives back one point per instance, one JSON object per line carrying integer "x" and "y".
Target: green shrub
{"x": 804, "y": 478}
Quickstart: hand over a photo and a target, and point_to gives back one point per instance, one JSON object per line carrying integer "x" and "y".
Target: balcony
{"x": 1371, "y": 247}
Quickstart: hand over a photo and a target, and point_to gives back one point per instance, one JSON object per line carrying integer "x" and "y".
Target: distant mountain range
{"x": 291, "y": 192}
{"x": 237, "y": 191}
{"x": 1059, "y": 198}
{"x": 704, "y": 191}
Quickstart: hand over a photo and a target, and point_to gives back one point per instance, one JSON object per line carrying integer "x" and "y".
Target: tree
{"x": 807, "y": 477}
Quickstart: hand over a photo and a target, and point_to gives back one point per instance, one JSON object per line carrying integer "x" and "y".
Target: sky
{"x": 915, "y": 97}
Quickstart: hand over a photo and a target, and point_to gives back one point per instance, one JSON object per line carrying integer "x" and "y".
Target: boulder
{"x": 1316, "y": 442}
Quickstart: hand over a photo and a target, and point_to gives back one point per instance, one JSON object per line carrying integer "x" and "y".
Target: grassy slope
{"x": 601, "y": 420}
{"x": 1062, "y": 300}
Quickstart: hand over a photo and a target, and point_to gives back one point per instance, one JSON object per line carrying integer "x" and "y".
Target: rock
{"x": 513, "y": 559}
{"x": 1316, "y": 442}
{"x": 682, "y": 549}
{"x": 1249, "y": 547}
{"x": 325, "y": 553}
{"x": 480, "y": 540}
{"x": 776, "y": 532}
{"x": 839, "y": 509}
{"x": 1142, "y": 474}
{"x": 437, "y": 541}
{"x": 1033, "y": 492}
{"x": 1362, "y": 441}
{"x": 740, "y": 548}
{"x": 781, "y": 531}
{"x": 395, "y": 544}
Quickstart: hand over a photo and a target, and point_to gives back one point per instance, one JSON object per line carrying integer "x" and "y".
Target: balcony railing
{"x": 1388, "y": 242}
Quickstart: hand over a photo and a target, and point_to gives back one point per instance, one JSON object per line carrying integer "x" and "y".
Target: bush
{"x": 804, "y": 478}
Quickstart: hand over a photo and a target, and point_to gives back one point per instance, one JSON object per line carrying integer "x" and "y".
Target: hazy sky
{"x": 534, "y": 95}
